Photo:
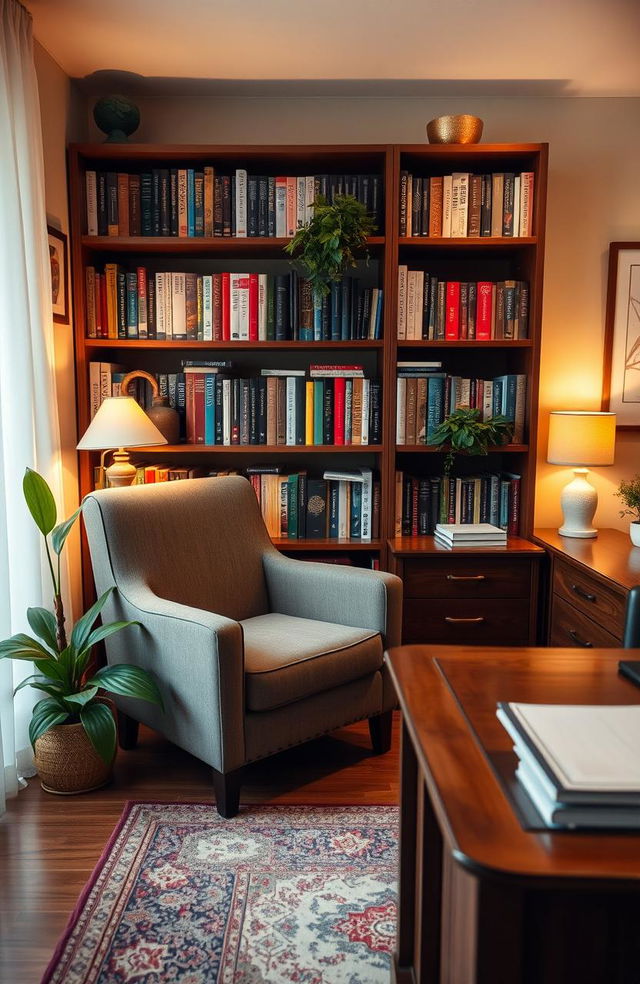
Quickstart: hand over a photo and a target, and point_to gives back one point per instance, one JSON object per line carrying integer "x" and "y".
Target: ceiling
{"x": 510, "y": 47}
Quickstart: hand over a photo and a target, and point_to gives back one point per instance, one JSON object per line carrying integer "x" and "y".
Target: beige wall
{"x": 61, "y": 116}
{"x": 594, "y": 198}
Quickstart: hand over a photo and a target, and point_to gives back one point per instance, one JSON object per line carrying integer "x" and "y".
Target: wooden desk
{"x": 588, "y": 588}
{"x": 482, "y": 900}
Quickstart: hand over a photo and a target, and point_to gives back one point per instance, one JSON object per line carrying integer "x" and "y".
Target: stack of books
{"x": 578, "y": 764}
{"x": 470, "y": 535}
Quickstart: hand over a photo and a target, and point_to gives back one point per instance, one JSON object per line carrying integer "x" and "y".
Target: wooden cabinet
{"x": 476, "y": 596}
{"x": 588, "y": 587}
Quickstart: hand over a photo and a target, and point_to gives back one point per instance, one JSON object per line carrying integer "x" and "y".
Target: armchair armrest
{"x": 197, "y": 658}
{"x": 333, "y": 593}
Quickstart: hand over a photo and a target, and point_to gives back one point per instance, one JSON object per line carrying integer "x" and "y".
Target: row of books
{"x": 124, "y": 304}
{"x": 187, "y": 202}
{"x": 425, "y": 396}
{"x": 453, "y": 309}
{"x": 422, "y": 502}
{"x": 339, "y": 505}
{"x": 462, "y": 205}
{"x": 280, "y": 407}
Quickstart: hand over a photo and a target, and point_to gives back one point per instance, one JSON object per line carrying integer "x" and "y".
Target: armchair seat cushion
{"x": 288, "y": 658}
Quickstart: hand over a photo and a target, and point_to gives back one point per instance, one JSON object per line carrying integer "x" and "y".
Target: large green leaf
{"x": 22, "y": 646}
{"x": 39, "y": 682}
{"x": 104, "y": 631}
{"x": 40, "y": 501}
{"x": 51, "y": 668}
{"x": 128, "y": 681}
{"x": 98, "y": 722}
{"x": 82, "y": 628}
{"x": 44, "y": 721}
{"x": 43, "y": 623}
{"x": 82, "y": 697}
{"x": 62, "y": 530}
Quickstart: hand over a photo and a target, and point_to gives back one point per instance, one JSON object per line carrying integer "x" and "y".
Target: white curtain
{"x": 29, "y": 433}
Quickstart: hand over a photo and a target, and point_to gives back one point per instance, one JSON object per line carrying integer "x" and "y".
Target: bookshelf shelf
{"x": 196, "y": 245}
{"x": 326, "y": 545}
{"x": 494, "y": 343}
{"x": 274, "y": 449}
{"x": 475, "y": 243}
{"x": 425, "y": 449}
{"x": 229, "y": 346}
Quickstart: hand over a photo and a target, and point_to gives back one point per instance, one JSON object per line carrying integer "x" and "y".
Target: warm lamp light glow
{"x": 120, "y": 423}
{"x": 580, "y": 437}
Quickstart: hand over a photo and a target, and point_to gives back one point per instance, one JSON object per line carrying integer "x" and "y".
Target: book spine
{"x": 253, "y": 307}
{"x": 121, "y": 292}
{"x": 338, "y": 410}
{"x": 92, "y": 203}
{"x": 112, "y": 204}
{"x": 141, "y": 289}
{"x": 485, "y": 291}
{"x": 291, "y": 206}
{"x": 209, "y": 188}
{"x": 198, "y": 194}
{"x": 123, "y": 204}
{"x": 507, "y": 205}
{"x": 436, "y": 190}
{"x": 226, "y": 306}
{"x": 447, "y": 195}
{"x": 183, "y": 229}
{"x": 178, "y": 306}
{"x": 452, "y": 330}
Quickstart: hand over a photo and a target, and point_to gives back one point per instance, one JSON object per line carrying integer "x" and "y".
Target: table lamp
{"x": 119, "y": 423}
{"x": 580, "y": 438}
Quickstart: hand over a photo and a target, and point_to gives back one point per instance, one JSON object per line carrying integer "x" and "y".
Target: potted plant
{"x": 463, "y": 431}
{"x": 629, "y": 492}
{"x": 72, "y": 729}
{"x": 327, "y": 246}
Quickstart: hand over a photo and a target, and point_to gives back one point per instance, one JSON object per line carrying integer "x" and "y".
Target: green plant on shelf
{"x": 629, "y": 492}
{"x": 464, "y": 432}
{"x": 330, "y": 243}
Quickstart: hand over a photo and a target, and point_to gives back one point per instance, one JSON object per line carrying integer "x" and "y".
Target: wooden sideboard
{"x": 588, "y": 587}
{"x": 467, "y": 595}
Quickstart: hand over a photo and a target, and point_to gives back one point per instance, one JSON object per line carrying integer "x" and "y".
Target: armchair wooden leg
{"x": 380, "y": 731}
{"x": 226, "y": 786}
{"x": 127, "y": 731}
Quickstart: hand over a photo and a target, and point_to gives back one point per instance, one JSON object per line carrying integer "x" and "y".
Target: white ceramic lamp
{"x": 580, "y": 438}
{"x": 119, "y": 423}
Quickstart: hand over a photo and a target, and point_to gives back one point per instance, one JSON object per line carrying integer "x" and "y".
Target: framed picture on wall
{"x": 59, "y": 275}
{"x": 621, "y": 381}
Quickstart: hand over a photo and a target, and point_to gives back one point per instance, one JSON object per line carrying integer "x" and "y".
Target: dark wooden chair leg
{"x": 226, "y": 786}
{"x": 127, "y": 731}
{"x": 380, "y": 731}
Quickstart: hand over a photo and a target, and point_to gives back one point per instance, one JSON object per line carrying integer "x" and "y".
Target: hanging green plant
{"x": 464, "y": 432}
{"x": 332, "y": 241}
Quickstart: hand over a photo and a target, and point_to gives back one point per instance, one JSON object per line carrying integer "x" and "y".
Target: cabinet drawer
{"x": 591, "y": 597}
{"x": 469, "y": 622}
{"x": 467, "y": 577}
{"x": 571, "y": 627}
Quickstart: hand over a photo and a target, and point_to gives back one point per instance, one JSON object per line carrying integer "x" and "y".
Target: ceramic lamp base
{"x": 579, "y": 500}
{"x": 121, "y": 473}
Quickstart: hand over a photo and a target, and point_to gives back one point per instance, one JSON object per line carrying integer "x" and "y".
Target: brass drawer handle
{"x": 466, "y": 577}
{"x": 581, "y": 642}
{"x": 582, "y": 593}
{"x": 480, "y": 618}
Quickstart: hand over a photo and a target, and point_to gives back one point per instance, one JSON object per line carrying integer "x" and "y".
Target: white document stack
{"x": 579, "y": 764}
{"x": 470, "y": 535}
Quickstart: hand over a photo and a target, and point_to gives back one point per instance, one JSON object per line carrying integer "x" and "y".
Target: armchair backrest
{"x": 199, "y": 543}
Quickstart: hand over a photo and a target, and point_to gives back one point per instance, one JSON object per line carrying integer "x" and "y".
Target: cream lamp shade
{"x": 120, "y": 423}
{"x": 580, "y": 438}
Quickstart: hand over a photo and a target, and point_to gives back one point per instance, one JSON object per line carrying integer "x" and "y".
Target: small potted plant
{"x": 629, "y": 492}
{"x": 463, "y": 431}
{"x": 72, "y": 729}
{"x": 328, "y": 245}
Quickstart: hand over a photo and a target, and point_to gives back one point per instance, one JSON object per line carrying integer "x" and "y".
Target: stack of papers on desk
{"x": 579, "y": 764}
{"x": 470, "y": 535}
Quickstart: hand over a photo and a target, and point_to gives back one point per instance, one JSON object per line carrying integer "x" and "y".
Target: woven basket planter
{"x": 67, "y": 762}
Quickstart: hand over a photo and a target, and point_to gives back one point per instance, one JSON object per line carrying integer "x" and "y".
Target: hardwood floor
{"x": 49, "y": 845}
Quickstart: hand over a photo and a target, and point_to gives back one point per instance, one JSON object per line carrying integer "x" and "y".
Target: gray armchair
{"x": 254, "y": 652}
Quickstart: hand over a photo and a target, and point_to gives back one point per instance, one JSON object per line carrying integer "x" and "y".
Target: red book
{"x": 226, "y": 307}
{"x": 198, "y": 405}
{"x": 483, "y": 310}
{"x": 339, "y": 386}
{"x": 452, "y": 325}
{"x": 253, "y": 307}
{"x": 217, "y": 307}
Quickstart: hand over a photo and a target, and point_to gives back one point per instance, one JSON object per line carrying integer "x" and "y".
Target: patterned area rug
{"x": 296, "y": 893}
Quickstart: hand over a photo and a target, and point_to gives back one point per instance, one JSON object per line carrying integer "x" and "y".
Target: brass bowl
{"x": 454, "y": 129}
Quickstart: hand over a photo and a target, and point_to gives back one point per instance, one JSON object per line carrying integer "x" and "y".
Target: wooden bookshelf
{"x": 488, "y": 257}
